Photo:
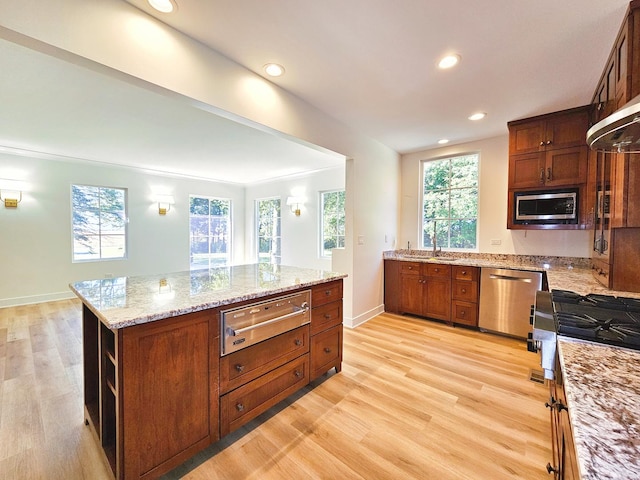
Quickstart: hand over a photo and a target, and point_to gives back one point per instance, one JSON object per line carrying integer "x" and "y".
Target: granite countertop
{"x": 603, "y": 395}
{"x": 125, "y": 301}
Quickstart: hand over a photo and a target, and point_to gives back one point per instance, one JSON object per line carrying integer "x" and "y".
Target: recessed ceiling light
{"x": 449, "y": 61}
{"x": 164, "y": 6}
{"x": 273, "y": 69}
{"x": 442, "y": 141}
{"x": 477, "y": 116}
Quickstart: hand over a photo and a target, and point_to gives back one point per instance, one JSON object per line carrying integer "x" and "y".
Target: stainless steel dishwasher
{"x": 506, "y": 297}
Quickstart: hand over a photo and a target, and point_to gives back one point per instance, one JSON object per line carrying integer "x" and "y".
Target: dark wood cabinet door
{"x": 566, "y": 167}
{"x": 392, "y": 286}
{"x": 526, "y": 137}
{"x": 527, "y": 170}
{"x": 411, "y": 294}
{"x": 438, "y": 298}
{"x": 566, "y": 130}
{"x": 170, "y": 392}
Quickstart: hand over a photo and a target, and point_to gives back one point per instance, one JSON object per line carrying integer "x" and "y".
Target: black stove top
{"x": 599, "y": 318}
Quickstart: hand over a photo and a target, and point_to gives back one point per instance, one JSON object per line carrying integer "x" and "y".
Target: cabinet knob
{"x": 464, "y": 272}
{"x": 298, "y": 373}
{"x": 239, "y": 407}
{"x": 327, "y": 316}
{"x": 327, "y": 293}
{"x": 549, "y": 142}
{"x": 464, "y": 290}
{"x": 327, "y": 350}
{"x": 462, "y": 313}
{"x": 542, "y": 143}
{"x": 298, "y": 342}
{"x": 436, "y": 270}
{"x": 561, "y": 406}
{"x": 239, "y": 367}
{"x": 550, "y": 469}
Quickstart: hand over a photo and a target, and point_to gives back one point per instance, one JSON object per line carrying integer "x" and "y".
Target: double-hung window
{"x": 450, "y": 202}
{"x": 268, "y": 229}
{"x": 210, "y": 232}
{"x": 332, "y": 221}
{"x": 99, "y": 222}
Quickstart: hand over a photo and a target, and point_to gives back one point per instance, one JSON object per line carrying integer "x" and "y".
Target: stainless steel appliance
{"x": 597, "y": 318}
{"x": 546, "y": 207}
{"x": 245, "y": 326}
{"x": 506, "y": 298}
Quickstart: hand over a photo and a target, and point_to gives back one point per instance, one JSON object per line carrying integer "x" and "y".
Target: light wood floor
{"x": 415, "y": 400}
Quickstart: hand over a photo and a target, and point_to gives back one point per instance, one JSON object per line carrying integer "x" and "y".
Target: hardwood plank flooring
{"x": 415, "y": 399}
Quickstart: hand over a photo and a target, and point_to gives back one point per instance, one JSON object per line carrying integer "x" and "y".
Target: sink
{"x": 435, "y": 259}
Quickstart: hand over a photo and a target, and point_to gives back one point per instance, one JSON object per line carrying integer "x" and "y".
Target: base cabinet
{"x": 464, "y": 297}
{"x": 425, "y": 289}
{"x": 157, "y": 393}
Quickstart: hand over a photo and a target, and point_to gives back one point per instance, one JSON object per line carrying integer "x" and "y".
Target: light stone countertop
{"x": 603, "y": 395}
{"x": 125, "y": 301}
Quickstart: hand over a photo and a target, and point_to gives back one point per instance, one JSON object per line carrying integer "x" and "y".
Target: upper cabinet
{"x": 549, "y": 151}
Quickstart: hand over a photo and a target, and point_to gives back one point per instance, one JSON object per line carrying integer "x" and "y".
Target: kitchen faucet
{"x": 434, "y": 241}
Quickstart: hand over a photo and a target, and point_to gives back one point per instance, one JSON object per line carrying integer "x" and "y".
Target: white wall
{"x": 300, "y": 235}
{"x": 113, "y": 37}
{"x": 35, "y": 238}
{"x": 492, "y": 214}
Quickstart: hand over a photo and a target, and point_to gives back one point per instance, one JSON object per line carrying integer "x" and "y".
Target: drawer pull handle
{"x": 328, "y": 292}
{"x": 239, "y": 407}
{"x": 298, "y": 373}
{"x": 327, "y": 316}
{"x": 298, "y": 342}
{"x": 239, "y": 367}
{"x": 327, "y": 350}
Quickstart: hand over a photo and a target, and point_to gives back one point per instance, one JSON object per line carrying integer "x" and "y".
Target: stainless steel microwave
{"x": 546, "y": 207}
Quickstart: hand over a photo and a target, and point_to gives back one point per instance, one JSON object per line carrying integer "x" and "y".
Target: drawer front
{"x": 410, "y": 268}
{"x": 326, "y": 316}
{"x": 466, "y": 291}
{"x": 464, "y": 313}
{"x": 465, "y": 273}
{"x": 326, "y": 351}
{"x": 326, "y": 293}
{"x": 247, "y": 402}
{"x": 249, "y": 363}
{"x": 438, "y": 270}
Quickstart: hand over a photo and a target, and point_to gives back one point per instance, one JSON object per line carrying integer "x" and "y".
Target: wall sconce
{"x": 294, "y": 204}
{"x": 164, "y": 203}
{"x": 11, "y": 198}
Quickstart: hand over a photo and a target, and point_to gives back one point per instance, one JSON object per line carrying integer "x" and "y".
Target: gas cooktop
{"x": 599, "y": 318}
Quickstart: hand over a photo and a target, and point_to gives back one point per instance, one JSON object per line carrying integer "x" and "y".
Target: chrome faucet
{"x": 434, "y": 241}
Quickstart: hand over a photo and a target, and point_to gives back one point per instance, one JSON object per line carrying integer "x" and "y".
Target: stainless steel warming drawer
{"x": 245, "y": 326}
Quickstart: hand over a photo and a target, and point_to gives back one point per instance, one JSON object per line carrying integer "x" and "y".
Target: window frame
{"x": 257, "y": 229}
{"x": 209, "y": 236}
{"x": 125, "y": 193}
{"x": 421, "y": 240}
{"x": 321, "y": 229}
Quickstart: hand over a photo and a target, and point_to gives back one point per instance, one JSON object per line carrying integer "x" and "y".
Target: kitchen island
{"x": 153, "y": 368}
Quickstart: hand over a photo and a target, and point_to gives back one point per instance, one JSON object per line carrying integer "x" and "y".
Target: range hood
{"x": 619, "y": 132}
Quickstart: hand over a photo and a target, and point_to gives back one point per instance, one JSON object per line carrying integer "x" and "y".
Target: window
{"x": 450, "y": 202}
{"x": 332, "y": 221}
{"x": 99, "y": 222}
{"x": 210, "y": 232}
{"x": 268, "y": 228}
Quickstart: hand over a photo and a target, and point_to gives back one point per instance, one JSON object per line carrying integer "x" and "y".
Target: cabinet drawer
{"x": 465, "y": 313}
{"x": 249, "y": 363}
{"x": 438, "y": 270}
{"x": 465, "y": 273}
{"x": 410, "y": 268}
{"x": 465, "y": 291}
{"x": 326, "y": 293}
{"x": 247, "y": 402}
{"x": 326, "y": 316}
{"x": 326, "y": 351}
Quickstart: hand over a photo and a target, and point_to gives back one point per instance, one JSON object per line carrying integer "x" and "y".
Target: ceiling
{"x": 370, "y": 64}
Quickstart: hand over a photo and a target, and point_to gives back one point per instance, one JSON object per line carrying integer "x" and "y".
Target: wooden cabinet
{"x": 549, "y": 152}
{"x": 614, "y": 180}
{"x": 564, "y": 464}
{"x": 151, "y": 389}
{"x": 418, "y": 288}
{"x": 157, "y": 393}
{"x": 465, "y": 292}
{"x": 326, "y": 328}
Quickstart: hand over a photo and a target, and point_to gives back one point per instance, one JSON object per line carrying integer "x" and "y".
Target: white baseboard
{"x": 353, "y": 322}
{"x": 49, "y": 297}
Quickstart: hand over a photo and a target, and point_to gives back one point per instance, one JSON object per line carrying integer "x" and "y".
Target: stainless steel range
{"x": 597, "y": 318}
